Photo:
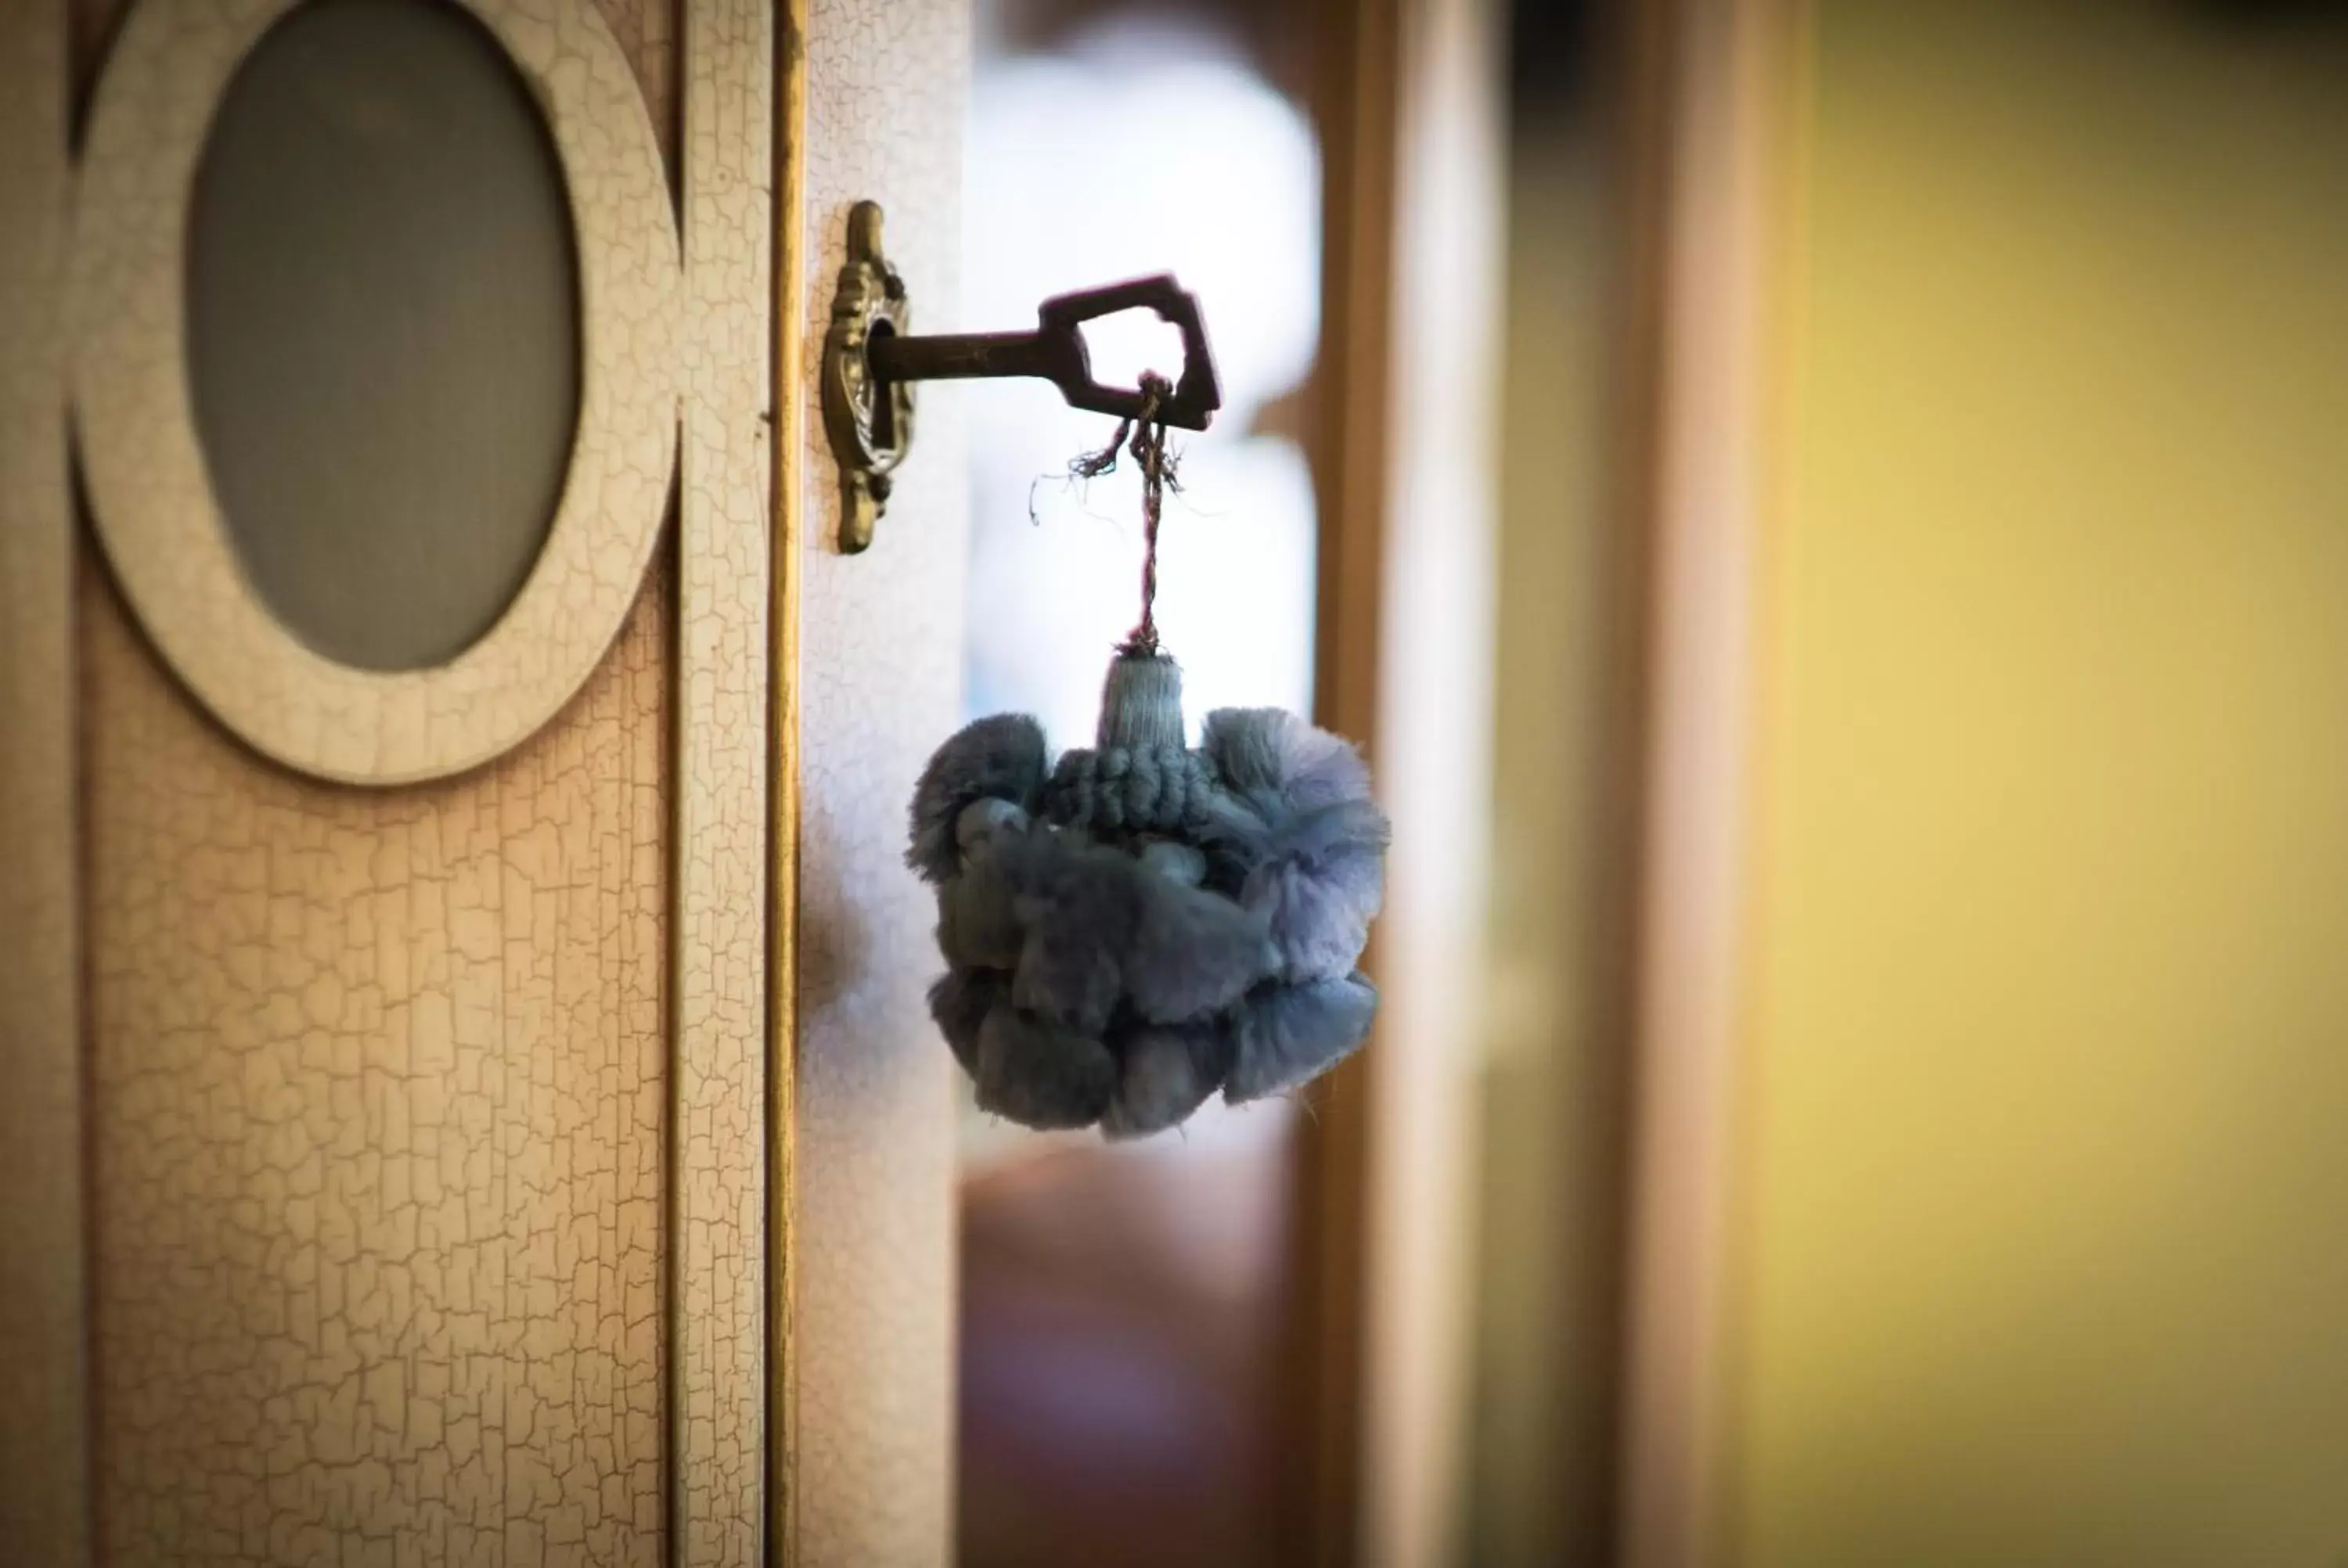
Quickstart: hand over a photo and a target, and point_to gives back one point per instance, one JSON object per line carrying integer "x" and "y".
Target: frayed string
{"x": 1145, "y": 436}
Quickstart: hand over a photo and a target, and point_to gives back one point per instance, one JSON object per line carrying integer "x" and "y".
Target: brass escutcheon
{"x": 871, "y": 423}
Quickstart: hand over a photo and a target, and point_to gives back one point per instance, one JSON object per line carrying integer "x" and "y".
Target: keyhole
{"x": 884, "y": 408}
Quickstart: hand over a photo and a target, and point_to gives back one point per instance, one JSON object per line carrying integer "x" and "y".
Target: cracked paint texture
{"x": 380, "y": 1084}
{"x": 724, "y": 568}
{"x": 379, "y": 1081}
{"x": 384, "y": 1205}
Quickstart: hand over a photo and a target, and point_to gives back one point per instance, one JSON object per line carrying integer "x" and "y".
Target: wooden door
{"x": 399, "y": 1164}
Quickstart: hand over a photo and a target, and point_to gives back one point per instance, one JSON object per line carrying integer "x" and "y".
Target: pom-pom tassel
{"x": 1137, "y": 925}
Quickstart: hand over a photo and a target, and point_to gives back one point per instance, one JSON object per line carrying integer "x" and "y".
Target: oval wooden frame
{"x": 150, "y": 496}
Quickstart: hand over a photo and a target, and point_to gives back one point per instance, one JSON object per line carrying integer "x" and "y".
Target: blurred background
{"x": 1829, "y": 520}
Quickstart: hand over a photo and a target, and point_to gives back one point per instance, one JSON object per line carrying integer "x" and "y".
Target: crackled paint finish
{"x": 152, "y": 504}
{"x": 380, "y": 1085}
{"x": 44, "y": 1500}
{"x": 428, "y": 1130}
{"x": 381, "y": 1079}
{"x": 878, "y": 687}
{"x": 725, "y": 573}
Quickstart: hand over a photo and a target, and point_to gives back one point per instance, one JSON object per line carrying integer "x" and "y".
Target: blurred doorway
{"x": 1124, "y": 1308}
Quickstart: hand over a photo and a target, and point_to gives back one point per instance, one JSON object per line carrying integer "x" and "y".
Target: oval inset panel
{"x": 383, "y": 327}
{"x": 376, "y": 364}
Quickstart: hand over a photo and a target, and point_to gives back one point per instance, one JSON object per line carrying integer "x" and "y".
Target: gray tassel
{"x": 1139, "y": 925}
{"x": 1288, "y": 1035}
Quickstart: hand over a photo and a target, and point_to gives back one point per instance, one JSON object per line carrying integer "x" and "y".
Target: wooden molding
{"x": 1409, "y": 112}
{"x": 1712, "y": 88}
{"x": 721, "y": 1117}
{"x": 1356, "y": 81}
{"x": 153, "y": 504}
{"x": 785, "y": 469}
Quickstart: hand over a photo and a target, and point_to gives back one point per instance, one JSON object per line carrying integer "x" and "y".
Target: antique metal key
{"x": 1055, "y": 351}
{"x": 870, "y": 363}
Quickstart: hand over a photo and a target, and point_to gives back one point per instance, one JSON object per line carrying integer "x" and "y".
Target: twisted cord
{"x": 1144, "y": 436}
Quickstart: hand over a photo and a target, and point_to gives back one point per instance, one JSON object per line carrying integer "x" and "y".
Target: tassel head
{"x": 1141, "y": 703}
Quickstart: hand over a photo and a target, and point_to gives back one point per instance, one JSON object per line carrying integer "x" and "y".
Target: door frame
{"x": 1408, "y": 105}
{"x": 1711, "y": 143}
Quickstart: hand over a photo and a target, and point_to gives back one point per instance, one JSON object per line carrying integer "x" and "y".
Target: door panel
{"x": 423, "y": 1137}
{"x": 426, "y": 1133}
{"x": 378, "y": 1086}
{"x": 377, "y": 1082}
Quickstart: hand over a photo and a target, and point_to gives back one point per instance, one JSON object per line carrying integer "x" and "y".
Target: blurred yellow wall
{"x": 2044, "y": 1236}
